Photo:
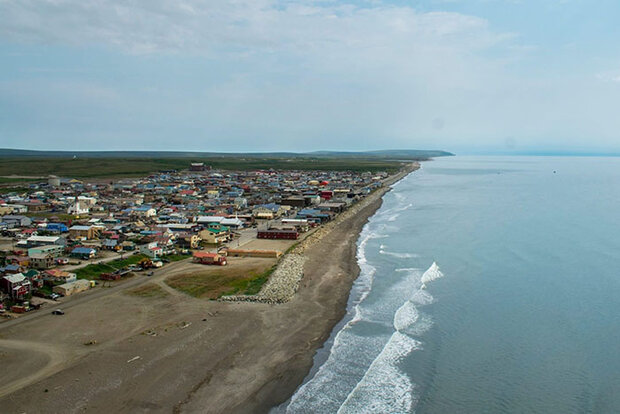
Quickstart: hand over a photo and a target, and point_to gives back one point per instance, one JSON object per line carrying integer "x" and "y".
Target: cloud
{"x": 238, "y": 26}
{"x": 271, "y": 74}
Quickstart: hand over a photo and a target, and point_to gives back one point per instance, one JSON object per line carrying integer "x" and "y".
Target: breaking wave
{"x": 384, "y": 388}
{"x": 431, "y": 274}
{"x": 398, "y": 255}
{"x": 362, "y": 369}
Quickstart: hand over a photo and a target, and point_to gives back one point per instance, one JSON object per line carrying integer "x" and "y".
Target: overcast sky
{"x": 263, "y": 75}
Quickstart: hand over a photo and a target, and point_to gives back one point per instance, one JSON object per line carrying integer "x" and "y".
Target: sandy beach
{"x": 175, "y": 353}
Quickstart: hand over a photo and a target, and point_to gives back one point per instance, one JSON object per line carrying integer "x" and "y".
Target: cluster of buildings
{"x": 63, "y": 221}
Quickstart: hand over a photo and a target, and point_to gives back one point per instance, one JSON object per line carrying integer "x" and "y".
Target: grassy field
{"x": 149, "y": 290}
{"x": 17, "y": 190}
{"x": 223, "y": 281}
{"x": 12, "y": 180}
{"x": 132, "y": 167}
{"x": 93, "y": 271}
{"x": 177, "y": 257}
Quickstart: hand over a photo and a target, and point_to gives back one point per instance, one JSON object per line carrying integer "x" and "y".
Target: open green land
{"x": 224, "y": 281}
{"x": 149, "y": 290}
{"x": 93, "y": 271}
{"x": 139, "y": 163}
{"x": 132, "y": 167}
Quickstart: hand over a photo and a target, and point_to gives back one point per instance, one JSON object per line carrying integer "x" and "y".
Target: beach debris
{"x": 185, "y": 325}
{"x": 91, "y": 342}
{"x": 134, "y": 359}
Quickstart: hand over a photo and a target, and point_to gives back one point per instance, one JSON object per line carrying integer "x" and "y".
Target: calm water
{"x": 522, "y": 313}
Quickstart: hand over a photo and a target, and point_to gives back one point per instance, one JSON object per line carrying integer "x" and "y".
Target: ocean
{"x": 487, "y": 285}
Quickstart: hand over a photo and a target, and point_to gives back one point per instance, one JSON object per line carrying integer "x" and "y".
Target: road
{"x": 71, "y": 301}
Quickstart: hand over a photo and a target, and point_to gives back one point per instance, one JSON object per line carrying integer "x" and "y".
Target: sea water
{"x": 487, "y": 284}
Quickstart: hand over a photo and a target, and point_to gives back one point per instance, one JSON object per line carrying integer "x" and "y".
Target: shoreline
{"x": 361, "y": 217}
{"x": 196, "y": 355}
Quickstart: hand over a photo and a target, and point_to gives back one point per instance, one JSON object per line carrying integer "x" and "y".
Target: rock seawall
{"x": 284, "y": 281}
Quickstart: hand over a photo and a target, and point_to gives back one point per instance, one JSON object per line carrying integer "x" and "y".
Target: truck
{"x": 210, "y": 258}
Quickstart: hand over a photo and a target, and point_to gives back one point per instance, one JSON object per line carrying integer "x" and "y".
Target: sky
{"x": 468, "y": 76}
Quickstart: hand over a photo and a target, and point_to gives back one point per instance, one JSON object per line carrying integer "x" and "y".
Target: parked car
{"x": 58, "y": 312}
{"x": 54, "y": 296}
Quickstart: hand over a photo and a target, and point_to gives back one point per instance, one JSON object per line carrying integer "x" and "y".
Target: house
{"x": 295, "y": 201}
{"x": 128, "y": 246}
{"x": 56, "y": 228}
{"x": 71, "y": 288}
{"x": 336, "y": 207}
{"x": 233, "y": 223}
{"x": 84, "y": 253}
{"x": 240, "y": 203}
{"x": 300, "y": 224}
{"x": 34, "y": 241}
{"x": 144, "y": 211}
{"x": 35, "y": 278}
{"x": 41, "y": 261}
{"x": 13, "y": 221}
{"x": 17, "y": 286}
{"x": 188, "y": 240}
{"x": 55, "y": 276}
{"x": 215, "y": 234}
{"x": 52, "y": 249}
{"x": 78, "y": 232}
{"x": 198, "y": 166}
{"x": 207, "y": 220}
{"x": 268, "y": 211}
{"x": 111, "y": 244}
{"x": 327, "y": 194}
{"x": 11, "y": 269}
{"x": 78, "y": 207}
{"x": 18, "y": 208}
{"x": 151, "y": 250}
{"x": 4, "y": 210}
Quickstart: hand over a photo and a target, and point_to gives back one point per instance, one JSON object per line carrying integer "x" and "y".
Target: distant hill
{"x": 392, "y": 154}
{"x": 381, "y": 154}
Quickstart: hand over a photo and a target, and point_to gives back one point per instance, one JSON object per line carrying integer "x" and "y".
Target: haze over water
{"x": 526, "y": 315}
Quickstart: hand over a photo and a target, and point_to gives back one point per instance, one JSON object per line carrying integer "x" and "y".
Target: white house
{"x": 151, "y": 250}
{"x": 233, "y": 223}
{"x": 77, "y": 208}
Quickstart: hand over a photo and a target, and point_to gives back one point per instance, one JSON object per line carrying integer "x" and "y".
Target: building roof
{"x": 201, "y": 255}
{"x": 83, "y": 250}
{"x": 15, "y": 278}
{"x": 44, "y": 239}
{"x": 210, "y": 219}
{"x": 80, "y": 228}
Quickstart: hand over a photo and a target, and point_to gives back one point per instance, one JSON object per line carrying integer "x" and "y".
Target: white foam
{"x": 349, "y": 359}
{"x": 433, "y": 273}
{"x": 405, "y": 316}
{"x": 361, "y": 373}
{"x": 422, "y": 297}
{"x": 384, "y": 388}
{"x": 398, "y": 255}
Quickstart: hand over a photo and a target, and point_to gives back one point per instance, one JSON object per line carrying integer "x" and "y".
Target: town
{"x": 63, "y": 236}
